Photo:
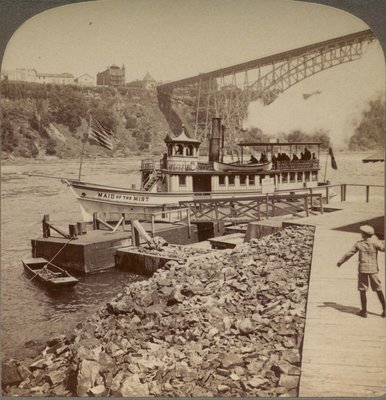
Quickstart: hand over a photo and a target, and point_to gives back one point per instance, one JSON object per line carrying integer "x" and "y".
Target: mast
{"x": 85, "y": 138}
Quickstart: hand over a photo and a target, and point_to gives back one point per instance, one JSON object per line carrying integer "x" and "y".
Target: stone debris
{"x": 160, "y": 247}
{"x": 226, "y": 323}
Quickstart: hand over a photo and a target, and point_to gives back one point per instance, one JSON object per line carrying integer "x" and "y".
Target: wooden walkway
{"x": 343, "y": 354}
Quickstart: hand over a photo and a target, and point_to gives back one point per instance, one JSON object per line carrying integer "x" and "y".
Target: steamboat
{"x": 181, "y": 175}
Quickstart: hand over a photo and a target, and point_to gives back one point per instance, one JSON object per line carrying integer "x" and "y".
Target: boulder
{"x": 57, "y": 376}
{"x": 222, "y": 388}
{"x": 98, "y": 391}
{"x": 10, "y": 375}
{"x": 289, "y": 381}
{"x": 245, "y": 326}
{"x": 87, "y": 374}
{"x": 116, "y": 383}
{"x": 231, "y": 360}
{"x": 132, "y": 387}
{"x": 24, "y": 372}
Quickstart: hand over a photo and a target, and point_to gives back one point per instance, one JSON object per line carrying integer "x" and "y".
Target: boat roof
{"x": 37, "y": 260}
{"x": 182, "y": 137}
{"x": 280, "y": 144}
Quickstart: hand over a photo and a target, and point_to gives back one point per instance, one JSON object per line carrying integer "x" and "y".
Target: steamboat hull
{"x": 138, "y": 204}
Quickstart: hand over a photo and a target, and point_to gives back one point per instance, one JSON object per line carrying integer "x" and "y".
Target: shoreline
{"x": 239, "y": 313}
{"x": 12, "y": 160}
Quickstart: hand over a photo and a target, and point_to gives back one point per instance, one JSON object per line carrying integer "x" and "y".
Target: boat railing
{"x": 148, "y": 165}
{"x": 205, "y": 167}
{"x": 173, "y": 165}
{"x": 296, "y": 165}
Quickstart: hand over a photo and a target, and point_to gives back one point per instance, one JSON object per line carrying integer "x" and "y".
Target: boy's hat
{"x": 367, "y": 229}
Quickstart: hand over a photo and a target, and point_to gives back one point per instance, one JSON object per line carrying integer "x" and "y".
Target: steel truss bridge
{"x": 227, "y": 92}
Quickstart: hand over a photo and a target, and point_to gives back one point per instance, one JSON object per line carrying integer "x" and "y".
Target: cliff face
{"x": 51, "y": 120}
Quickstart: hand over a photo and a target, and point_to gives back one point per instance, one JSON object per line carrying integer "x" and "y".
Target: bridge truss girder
{"x": 228, "y": 92}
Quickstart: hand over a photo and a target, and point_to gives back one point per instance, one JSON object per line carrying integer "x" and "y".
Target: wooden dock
{"x": 343, "y": 354}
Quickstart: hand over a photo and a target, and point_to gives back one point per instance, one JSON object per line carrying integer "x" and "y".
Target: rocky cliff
{"x": 51, "y": 120}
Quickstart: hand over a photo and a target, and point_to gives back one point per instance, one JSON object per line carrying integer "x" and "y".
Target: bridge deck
{"x": 343, "y": 354}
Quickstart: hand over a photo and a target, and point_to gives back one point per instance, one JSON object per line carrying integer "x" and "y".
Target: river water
{"x": 30, "y": 313}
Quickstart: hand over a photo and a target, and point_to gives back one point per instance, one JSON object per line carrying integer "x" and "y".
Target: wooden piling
{"x": 134, "y": 234}
{"x": 189, "y": 222}
{"x": 82, "y": 228}
{"x": 95, "y": 223}
{"x": 306, "y": 204}
{"x": 45, "y": 225}
{"x": 73, "y": 231}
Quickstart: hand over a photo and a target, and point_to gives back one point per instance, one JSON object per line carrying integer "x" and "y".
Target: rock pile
{"x": 227, "y": 323}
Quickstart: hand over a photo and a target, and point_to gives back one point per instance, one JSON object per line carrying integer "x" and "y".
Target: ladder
{"x": 150, "y": 182}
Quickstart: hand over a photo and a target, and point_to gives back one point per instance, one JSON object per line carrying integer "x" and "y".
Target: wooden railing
{"x": 254, "y": 207}
{"x": 296, "y": 165}
{"x": 343, "y": 190}
{"x": 174, "y": 215}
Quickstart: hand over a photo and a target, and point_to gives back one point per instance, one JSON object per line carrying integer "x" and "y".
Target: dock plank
{"x": 343, "y": 354}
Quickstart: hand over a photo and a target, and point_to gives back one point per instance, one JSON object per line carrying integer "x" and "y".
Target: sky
{"x": 176, "y": 39}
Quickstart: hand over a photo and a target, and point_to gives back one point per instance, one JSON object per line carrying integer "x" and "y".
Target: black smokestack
{"x": 222, "y": 142}
{"x": 215, "y": 140}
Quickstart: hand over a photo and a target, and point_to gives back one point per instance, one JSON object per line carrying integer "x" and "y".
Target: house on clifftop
{"x": 112, "y": 76}
{"x": 85, "y": 80}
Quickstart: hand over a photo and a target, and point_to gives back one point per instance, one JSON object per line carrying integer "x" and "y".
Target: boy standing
{"x": 368, "y": 269}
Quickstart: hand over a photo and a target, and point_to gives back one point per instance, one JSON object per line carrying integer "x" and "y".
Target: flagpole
{"x": 83, "y": 146}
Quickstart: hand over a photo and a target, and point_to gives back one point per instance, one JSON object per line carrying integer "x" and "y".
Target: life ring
{"x": 193, "y": 165}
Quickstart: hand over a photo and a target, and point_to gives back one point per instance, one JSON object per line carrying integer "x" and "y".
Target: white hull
{"x": 112, "y": 201}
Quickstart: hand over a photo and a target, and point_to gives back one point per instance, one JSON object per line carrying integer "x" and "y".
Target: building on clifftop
{"x": 85, "y": 80}
{"x": 148, "y": 82}
{"x": 112, "y": 76}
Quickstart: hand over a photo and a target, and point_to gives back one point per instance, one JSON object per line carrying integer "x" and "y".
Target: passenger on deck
{"x": 285, "y": 157}
{"x": 263, "y": 158}
{"x": 302, "y": 156}
{"x": 313, "y": 156}
{"x": 307, "y": 154}
{"x": 253, "y": 160}
{"x": 274, "y": 158}
{"x": 295, "y": 157}
{"x": 164, "y": 160}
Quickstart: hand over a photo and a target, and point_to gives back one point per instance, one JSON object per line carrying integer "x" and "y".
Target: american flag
{"x": 99, "y": 134}
{"x": 333, "y": 162}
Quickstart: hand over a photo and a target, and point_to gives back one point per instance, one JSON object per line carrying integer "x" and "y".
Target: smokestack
{"x": 222, "y": 142}
{"x": 215, "y": 140}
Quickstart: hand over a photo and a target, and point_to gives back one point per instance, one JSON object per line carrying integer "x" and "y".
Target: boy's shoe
{"x": 383, "y": 314}
{"x": 362, "y": 314}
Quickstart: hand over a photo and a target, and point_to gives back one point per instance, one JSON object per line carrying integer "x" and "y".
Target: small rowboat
{"x": 47, "y": 273}
{"x": 236, "y": 166}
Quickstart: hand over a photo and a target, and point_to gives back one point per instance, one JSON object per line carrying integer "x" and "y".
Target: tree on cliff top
{"x": 369, "y": 135}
